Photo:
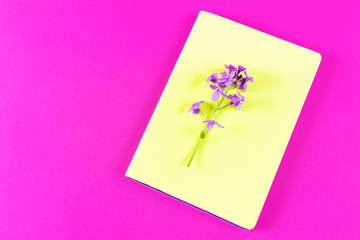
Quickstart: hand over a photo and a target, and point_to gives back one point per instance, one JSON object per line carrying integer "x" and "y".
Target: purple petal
{"x": 231, "y": 75}
{"x": 223, "y": 94}
{"x": 229, "y": 82}
{"x": 241, "y": 96}
{"x": 215, "y": 96}
{"x": 223, "y": 74}
{"x": 244, "y": 86}
{"x": 239, "y": 107}
{"x": 219, "y": 124}
{"x": 207, "y": 82}
{"x": 221, "y": 84}
{"x": 230, "y": 67}
{"x": 196, "y": 110}
{"x": 213, "y": 77}
{"x": 236, "y": 100}
{"x": 213, "y": 87}
{"x": 230, "y": 97}
{"x": 211, "y": 123}
{"x": 248, "y": 78}
{"x": 241, "y": 68}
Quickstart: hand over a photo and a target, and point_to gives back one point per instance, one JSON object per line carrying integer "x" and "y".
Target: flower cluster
{"x": 222, "y": 85}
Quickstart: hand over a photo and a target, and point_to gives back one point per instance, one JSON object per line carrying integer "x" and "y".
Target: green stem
{"x": 203, "y": 133}
{"x": 193, "y": 155}
{"x": 203, "y": 115}
{"x": 223, "y": 107}
{"x": 217, "y": 106}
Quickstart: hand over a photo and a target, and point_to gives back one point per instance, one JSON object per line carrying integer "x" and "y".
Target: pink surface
{"x": 79, "y": 81}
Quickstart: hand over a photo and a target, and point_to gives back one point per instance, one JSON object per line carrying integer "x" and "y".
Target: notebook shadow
{"x": 292, "y": 160}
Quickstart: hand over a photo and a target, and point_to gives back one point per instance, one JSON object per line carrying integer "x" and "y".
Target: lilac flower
{"x": 230, "y": 79}
{"x": 237, "y": 100}
{"x": 217, "y": 91}
{"x": 242, "y": 83}
{"x": 237, "y": 78}
{"x": 221, "y": 81}
{"x": 248, "y": 78}
{"x": 213, "y": 78}
{"x": 240, "y": 69}
{"x": 231, "y": 68}
{"x": 226, "y": 79}
{"x": 210, "y": 124}
{"x": 195, "y": 108}
{"x": 238, "y": 75}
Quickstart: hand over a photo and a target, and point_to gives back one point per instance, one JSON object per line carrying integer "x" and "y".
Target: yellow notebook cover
{"x": 233, "y": 170}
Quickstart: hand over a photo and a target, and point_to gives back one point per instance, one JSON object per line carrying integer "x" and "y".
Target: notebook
{"x": 232, "y": 173}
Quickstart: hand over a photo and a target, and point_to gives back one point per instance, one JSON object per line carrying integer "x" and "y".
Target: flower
{"x": 211, "y": 123}
{"x": 195, "y": 108}
{"x": 221, "y": 81}
{"x": 217, "y": 91}
{"x": 226, "y": 79}
{"x": 242, "y": 83}
{"x": 231, "y": 68}
{"x": 238, "y": 75}
{"x": 248, "y": 78}
{"x": 240, "y": 69}
{"x": 213, "y": 78}
{"x": 237, "y": 100}
{"x": 232, "y": 78}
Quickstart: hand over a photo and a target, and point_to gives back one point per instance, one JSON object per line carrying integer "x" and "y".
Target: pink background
{"x": 79, "y": 81}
